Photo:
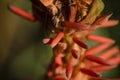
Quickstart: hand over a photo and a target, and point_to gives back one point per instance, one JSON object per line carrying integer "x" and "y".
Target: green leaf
{"x": 95, "y": 10}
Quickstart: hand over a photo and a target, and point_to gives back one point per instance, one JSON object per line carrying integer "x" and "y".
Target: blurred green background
{"x": 21, "y": 52}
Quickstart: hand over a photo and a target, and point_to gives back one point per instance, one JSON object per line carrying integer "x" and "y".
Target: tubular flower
{"x": 71, "y": 22}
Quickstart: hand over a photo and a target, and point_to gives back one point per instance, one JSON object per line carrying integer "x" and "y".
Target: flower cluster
{"x": 70, "y": 22}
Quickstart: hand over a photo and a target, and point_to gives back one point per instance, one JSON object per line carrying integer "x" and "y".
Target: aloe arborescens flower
{"x": 70, "y": 22}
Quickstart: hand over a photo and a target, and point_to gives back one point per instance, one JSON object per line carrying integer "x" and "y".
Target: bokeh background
{"x": 21, "y": 52}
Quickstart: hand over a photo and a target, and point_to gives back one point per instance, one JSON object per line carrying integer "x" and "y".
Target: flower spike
{"x": 69, "y": 71}
{"x": 99, "y": 39}
{"x": 109, "y": 53}
{"x": 102, "y": 68}
{"x": 58, "y": 37}
{"x": 97, "y": 60}
{"x": 21, "y": 13}
{"x": 104, "y": 21}
{"x": 72, "y": 21}
{"x": 114, "y": 61}
{"x": 109, "y": 23}
{"x": 80, "y": 43}
{"x": 89, "y": 72}
{"x": 105, "y": 43}
{"x": 76, "y": 26}
{"x": 47, "y": 41}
